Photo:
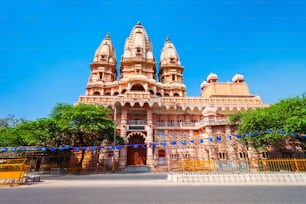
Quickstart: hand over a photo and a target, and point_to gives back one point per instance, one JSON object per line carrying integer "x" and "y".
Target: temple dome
{"x": 169, "y": 54}
{"x": 105, "y": 52}
{"x": 138, "y": 44}
{"x": 212, "y": 78}
{"x": 238, "y": 78}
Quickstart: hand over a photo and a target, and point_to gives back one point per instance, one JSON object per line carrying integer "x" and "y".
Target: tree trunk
{"x": 83, "y": 151}
{"x": 82, "y": 158}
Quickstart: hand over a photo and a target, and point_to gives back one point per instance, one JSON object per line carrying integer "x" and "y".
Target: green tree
{"x": 81, "y": 125}
{"x": 274, "y": 124}
{"x": 9, "y": 134}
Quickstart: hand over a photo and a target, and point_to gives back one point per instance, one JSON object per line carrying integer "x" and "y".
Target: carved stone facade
{"x": 151, "y": 112}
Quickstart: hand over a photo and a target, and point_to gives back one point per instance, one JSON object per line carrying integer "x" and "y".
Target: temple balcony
{"x": 190, "y": 125}
{"x": 137, "y": 122}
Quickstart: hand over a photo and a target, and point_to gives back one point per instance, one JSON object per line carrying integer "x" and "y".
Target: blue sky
{"x": 46, "y": 46}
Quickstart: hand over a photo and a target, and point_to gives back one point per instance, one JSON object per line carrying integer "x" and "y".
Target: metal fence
{"x": 247, "y": 166}
{"x": 12, "y": 171}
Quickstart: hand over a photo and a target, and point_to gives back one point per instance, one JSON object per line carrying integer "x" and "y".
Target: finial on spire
{"x": 107, "y": 35}
{"x": 167, "y": 39}
{"x": 138, "y": 23}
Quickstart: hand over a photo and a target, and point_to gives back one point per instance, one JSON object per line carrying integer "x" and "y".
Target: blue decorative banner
{"x": 173, "y": 142}
{"x": 239, "y": 136}
{"x": 183, "y": 142}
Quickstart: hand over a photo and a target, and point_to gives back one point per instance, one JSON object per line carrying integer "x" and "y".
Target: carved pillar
{"x": 212, "y": 150}
{"x": 232, "y": 155}
{"x": 123, "y": 152}
{"x": 123, "y": 123}
{"x": 122, "y": 157}
{"x": 149, "y": 138}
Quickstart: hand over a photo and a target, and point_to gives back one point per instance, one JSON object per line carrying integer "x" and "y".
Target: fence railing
{"x": 275, "y": 165}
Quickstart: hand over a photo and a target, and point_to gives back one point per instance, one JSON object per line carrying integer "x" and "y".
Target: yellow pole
{"x": 296, "y": 164}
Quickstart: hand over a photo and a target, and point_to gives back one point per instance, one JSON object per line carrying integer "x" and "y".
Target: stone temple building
{"x": 158, "y": 122}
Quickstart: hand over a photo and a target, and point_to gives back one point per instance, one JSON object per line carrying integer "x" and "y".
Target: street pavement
{"x": 143, "y": 188}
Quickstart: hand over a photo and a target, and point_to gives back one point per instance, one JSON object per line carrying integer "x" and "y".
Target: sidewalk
{"x": 239, "y": 179}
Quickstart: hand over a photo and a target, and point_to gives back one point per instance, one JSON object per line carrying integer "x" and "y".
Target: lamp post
{"x": 114, "y": 142}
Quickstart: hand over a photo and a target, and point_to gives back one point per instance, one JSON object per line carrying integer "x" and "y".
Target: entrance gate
{"x": 136, "y": 152}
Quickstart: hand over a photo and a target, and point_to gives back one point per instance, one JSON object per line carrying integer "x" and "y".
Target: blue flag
{"x": 173, "y": 142}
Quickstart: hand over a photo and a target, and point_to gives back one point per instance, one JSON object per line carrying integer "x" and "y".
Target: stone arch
{"x": 96, "y": 93}
{"x": 136, "y": 151}
{"x": 132, "y": 134}
{"x": 137, "y": 87}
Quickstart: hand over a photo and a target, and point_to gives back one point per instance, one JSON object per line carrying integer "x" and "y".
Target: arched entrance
{"x": 136, "y": 152}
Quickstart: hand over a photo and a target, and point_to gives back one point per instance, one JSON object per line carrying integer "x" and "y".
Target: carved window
{"x": 222, "y": 155}
{"x": 243, "y": 155}
{"x": 174, "y": 156}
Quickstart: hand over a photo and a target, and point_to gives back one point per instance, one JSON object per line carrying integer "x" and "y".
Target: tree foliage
{"x": 273, "y": 124}
{"x": 81, "y": 125}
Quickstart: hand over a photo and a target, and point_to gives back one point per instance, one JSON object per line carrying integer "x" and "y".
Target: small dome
{"x": 209, "y": 111}
{"x": 169, "y": 54}
{"x": 212, "y": 78}
{"x": 204, "y": 83}
{"x": 238, "y": 78}
{"x": 106, "y": 51}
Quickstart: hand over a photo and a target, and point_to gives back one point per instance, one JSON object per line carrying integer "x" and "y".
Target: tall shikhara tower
{"x": 151, "y": 111}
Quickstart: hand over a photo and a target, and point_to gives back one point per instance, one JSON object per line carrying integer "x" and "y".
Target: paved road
{"x": 93, "y": 189}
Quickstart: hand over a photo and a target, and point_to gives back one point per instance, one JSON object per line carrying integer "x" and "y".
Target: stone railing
{"x": 193, "y": 125}
{"x": 146, "y": 97}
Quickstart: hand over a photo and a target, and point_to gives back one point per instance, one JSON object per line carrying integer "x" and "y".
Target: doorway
{"x": 136, "y": 152}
